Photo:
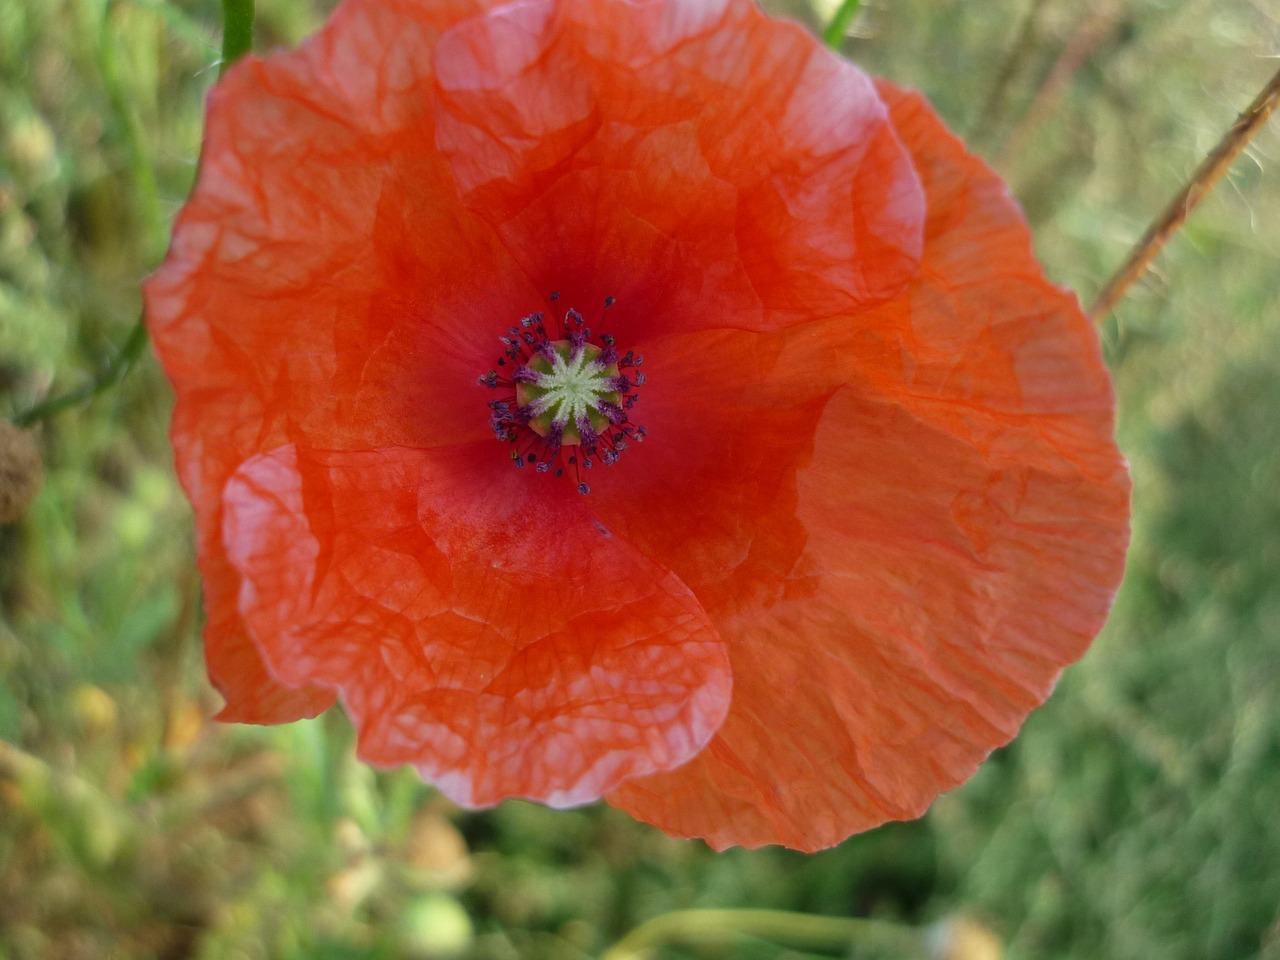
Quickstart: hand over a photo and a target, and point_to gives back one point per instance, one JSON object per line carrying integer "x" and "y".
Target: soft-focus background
{"x": 1137, "y": 816}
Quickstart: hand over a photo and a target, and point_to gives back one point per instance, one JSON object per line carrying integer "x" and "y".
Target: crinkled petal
{"x": 505, "y": 645}
{"x": 965, "y": 518}
{"x": 728, "y": 414}
{"x": 705, "y": 165}
{"x": 236, "y": 667}
{"x": 280, "y": 312}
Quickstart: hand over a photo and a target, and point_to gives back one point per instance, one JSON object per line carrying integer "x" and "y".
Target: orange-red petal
{"x": 274, "y": 313}
{"x": 867, "y": 474}
{"x": 326, "y": 286}
{"x": 705, "y": 165}
{"x": 965, "y": 519}
{"x": 505, "y": 644}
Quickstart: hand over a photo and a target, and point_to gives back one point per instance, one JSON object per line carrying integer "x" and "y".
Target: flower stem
{"x": 1024, "y": 45}
{"x": 833, "y": 36}
{"x": 1084, "y": 42}
{"x": 834, "y": 934}
{"x": 1196, "y": 189}
{"x": 112, "y": 374}
{"x": 237, "y": 31}
{"x": 136, "y": 151}
{"x": 237, "y": 39}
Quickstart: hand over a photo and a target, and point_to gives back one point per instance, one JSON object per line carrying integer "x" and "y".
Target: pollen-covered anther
{"x": 565, "y": 393}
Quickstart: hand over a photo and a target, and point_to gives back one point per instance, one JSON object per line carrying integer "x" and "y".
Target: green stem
{"x": 137, "y": 155}
{"x": 111, "y": 375}
{"x": 237, "y": 31}
{"x": 798, "y": 930}
{"x": 833, "y": 36}
{"x": 237, "y": 39}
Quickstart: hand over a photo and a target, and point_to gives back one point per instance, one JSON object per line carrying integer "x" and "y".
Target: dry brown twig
{"x": 1206, "y": 176}
{"x": 1082, "y": 45}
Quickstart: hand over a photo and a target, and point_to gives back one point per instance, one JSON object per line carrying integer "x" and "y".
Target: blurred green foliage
{"x": 1136, "y": 815}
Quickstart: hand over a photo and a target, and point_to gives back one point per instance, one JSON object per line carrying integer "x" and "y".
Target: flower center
{"x": 568, "y": 392}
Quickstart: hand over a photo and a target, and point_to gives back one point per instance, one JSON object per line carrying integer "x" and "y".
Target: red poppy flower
{"x": 768, "y": 528}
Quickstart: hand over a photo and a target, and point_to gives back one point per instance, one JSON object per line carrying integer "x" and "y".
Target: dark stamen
{"x": 536, "y": 374}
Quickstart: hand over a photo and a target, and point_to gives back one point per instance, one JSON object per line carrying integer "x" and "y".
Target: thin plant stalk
{"x": 237, "y": 31}
{"x": 993, "y": 109}
{"x": 237, "y": 39}
{"x": 797, "y": 930}
{"x": 833, "y": 35}
{"x": 113, "y": 373}
{"x": 1084, "y": 42}
{"x": 1206, "y": 176}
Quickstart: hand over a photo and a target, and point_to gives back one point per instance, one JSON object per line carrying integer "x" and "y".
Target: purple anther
{"x": 555, "y": 295}
{"x": 589, "y": 438}
{"x": 641, "y": 379}
{"x": 555, "y": 436}
{"x": 513, "y": 417}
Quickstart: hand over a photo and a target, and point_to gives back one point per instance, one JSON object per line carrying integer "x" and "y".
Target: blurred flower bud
{"x": 959, "y": 938}
{"x": 436, "y": 852}
{"x": 93, "y": 708}
{"x": 435, "y": 927}
{"x": 32, "y": 148}
{"x": 20, "y": 471}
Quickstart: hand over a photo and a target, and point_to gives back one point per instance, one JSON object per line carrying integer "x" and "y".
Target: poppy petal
{"x": 707, "y": 166}
{"x": 728, "y": 415}
{"x": 236, "y": 668}
{"x": 508, "y": 645}
{"x": 965, "y": 516}
{"x": 246, "y": 282}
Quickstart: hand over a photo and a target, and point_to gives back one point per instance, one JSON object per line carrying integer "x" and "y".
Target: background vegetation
{"x": 1135, "y": 817}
